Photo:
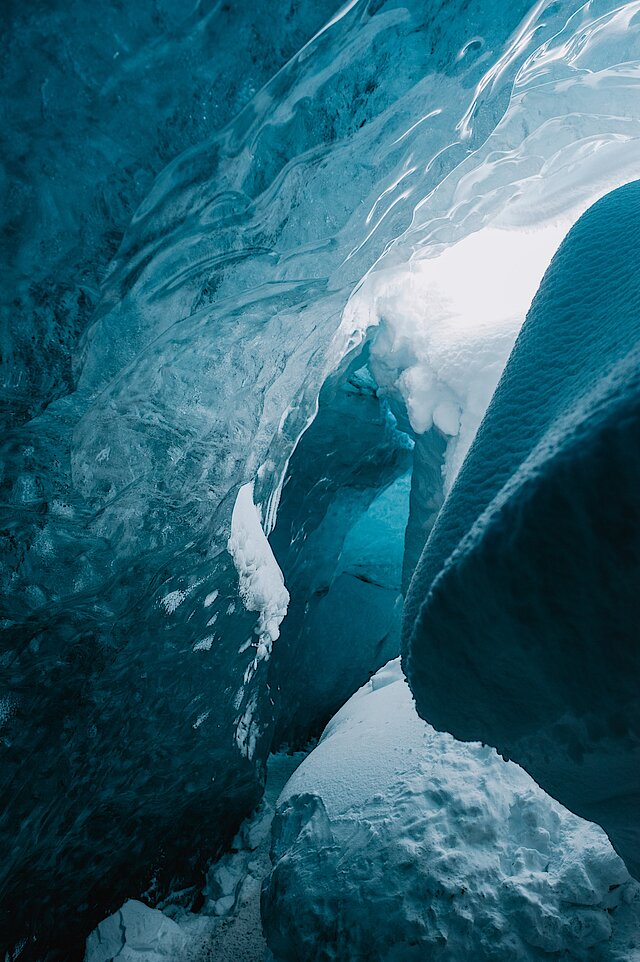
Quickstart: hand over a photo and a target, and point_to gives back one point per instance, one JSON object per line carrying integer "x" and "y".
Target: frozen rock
{"x": 136, "y": 933}
{"x": 521, "y": 623}
{"x": 395, "y": 842}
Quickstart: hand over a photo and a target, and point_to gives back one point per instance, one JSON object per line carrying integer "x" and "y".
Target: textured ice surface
{"x": 395, "y": 842}
{"x": 98, "y": 98}
{"x": 128, "y": 658}
{"x": 227, "y": 927}
{"x": 522, "y": 618}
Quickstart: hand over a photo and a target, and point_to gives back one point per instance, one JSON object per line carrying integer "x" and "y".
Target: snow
{"x": 136, "y": 933}
{"x": 205, "y": 644}
{"x": 447, "y": 325}
{"x": 261, "y": 584}
{"x": 211, "y": 597}
{"x": 8, "y": 706}
{"x": 395, "y": 842}
{"x": 173, "y": 600}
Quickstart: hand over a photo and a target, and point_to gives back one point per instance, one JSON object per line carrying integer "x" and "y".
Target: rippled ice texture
{"x": 521, "y": 620}
{"x": 132, "y": 684}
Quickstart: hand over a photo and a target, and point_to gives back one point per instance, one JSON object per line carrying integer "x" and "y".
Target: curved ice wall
{"x": 521, "y": 620}
{"x": 102, "y": 97}
{"x": 136, "y": 704}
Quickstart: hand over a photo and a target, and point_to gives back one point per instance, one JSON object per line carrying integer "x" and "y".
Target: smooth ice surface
{"x": 395, "y": 842}
{"x": 249, "y": 271}
{"x": 521, "y": 624}
{"x": 339, "y": 538}
{"x": 97, "y": 99}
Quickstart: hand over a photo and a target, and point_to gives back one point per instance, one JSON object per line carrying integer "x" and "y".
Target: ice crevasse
{"x": 393, "y": 840}
{"x": 355, "y": 220}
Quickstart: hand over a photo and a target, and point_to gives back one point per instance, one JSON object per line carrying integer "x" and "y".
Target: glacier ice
{"x": 258, "y": 261}
{"x": 394, "y": 842}
{"x": 91, "y": 116}
{"x": 521, "y": 620}
{"x": 339, "y": 539}
{"x": 218, "y": 322}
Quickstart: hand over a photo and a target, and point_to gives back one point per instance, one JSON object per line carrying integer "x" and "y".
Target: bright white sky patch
{"x": 447, "y": 325}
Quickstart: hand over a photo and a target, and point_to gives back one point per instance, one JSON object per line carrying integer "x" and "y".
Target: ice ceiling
{"x": 388, "y": 201}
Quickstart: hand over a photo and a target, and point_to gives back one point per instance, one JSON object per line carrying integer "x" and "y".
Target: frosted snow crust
{"x": 394, "y": 842}
{"x": 261, "y": 585}
{"x": 521, "y": 623}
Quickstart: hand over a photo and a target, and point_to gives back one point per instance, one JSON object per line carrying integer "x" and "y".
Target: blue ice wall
{"x": 339, "y": 539}
{"x": 97, "y": 99}
{"x": 521, "y": 620}
{"x": 129, "y": 662}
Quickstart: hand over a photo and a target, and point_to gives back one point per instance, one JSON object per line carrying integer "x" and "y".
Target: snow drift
{"x": 395, "y": 843}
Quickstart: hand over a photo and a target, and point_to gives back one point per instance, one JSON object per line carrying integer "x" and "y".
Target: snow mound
{"x": 447, "y": 325}
{"x": 261, "y": 585}
{"x": 394, "y": 842}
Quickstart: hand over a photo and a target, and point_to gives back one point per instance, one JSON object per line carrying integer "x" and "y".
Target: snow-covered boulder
{"x": 396, "y": 843}
{"x": 136, "y": 933}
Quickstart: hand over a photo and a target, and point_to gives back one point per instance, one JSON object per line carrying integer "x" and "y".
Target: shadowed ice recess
{"x": 359, "y": 246}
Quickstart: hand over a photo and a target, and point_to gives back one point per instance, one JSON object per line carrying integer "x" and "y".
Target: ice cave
{"x": 320, "y": 467}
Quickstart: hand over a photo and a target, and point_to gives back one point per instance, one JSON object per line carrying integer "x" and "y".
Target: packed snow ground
{"x": 394, "y": 843}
